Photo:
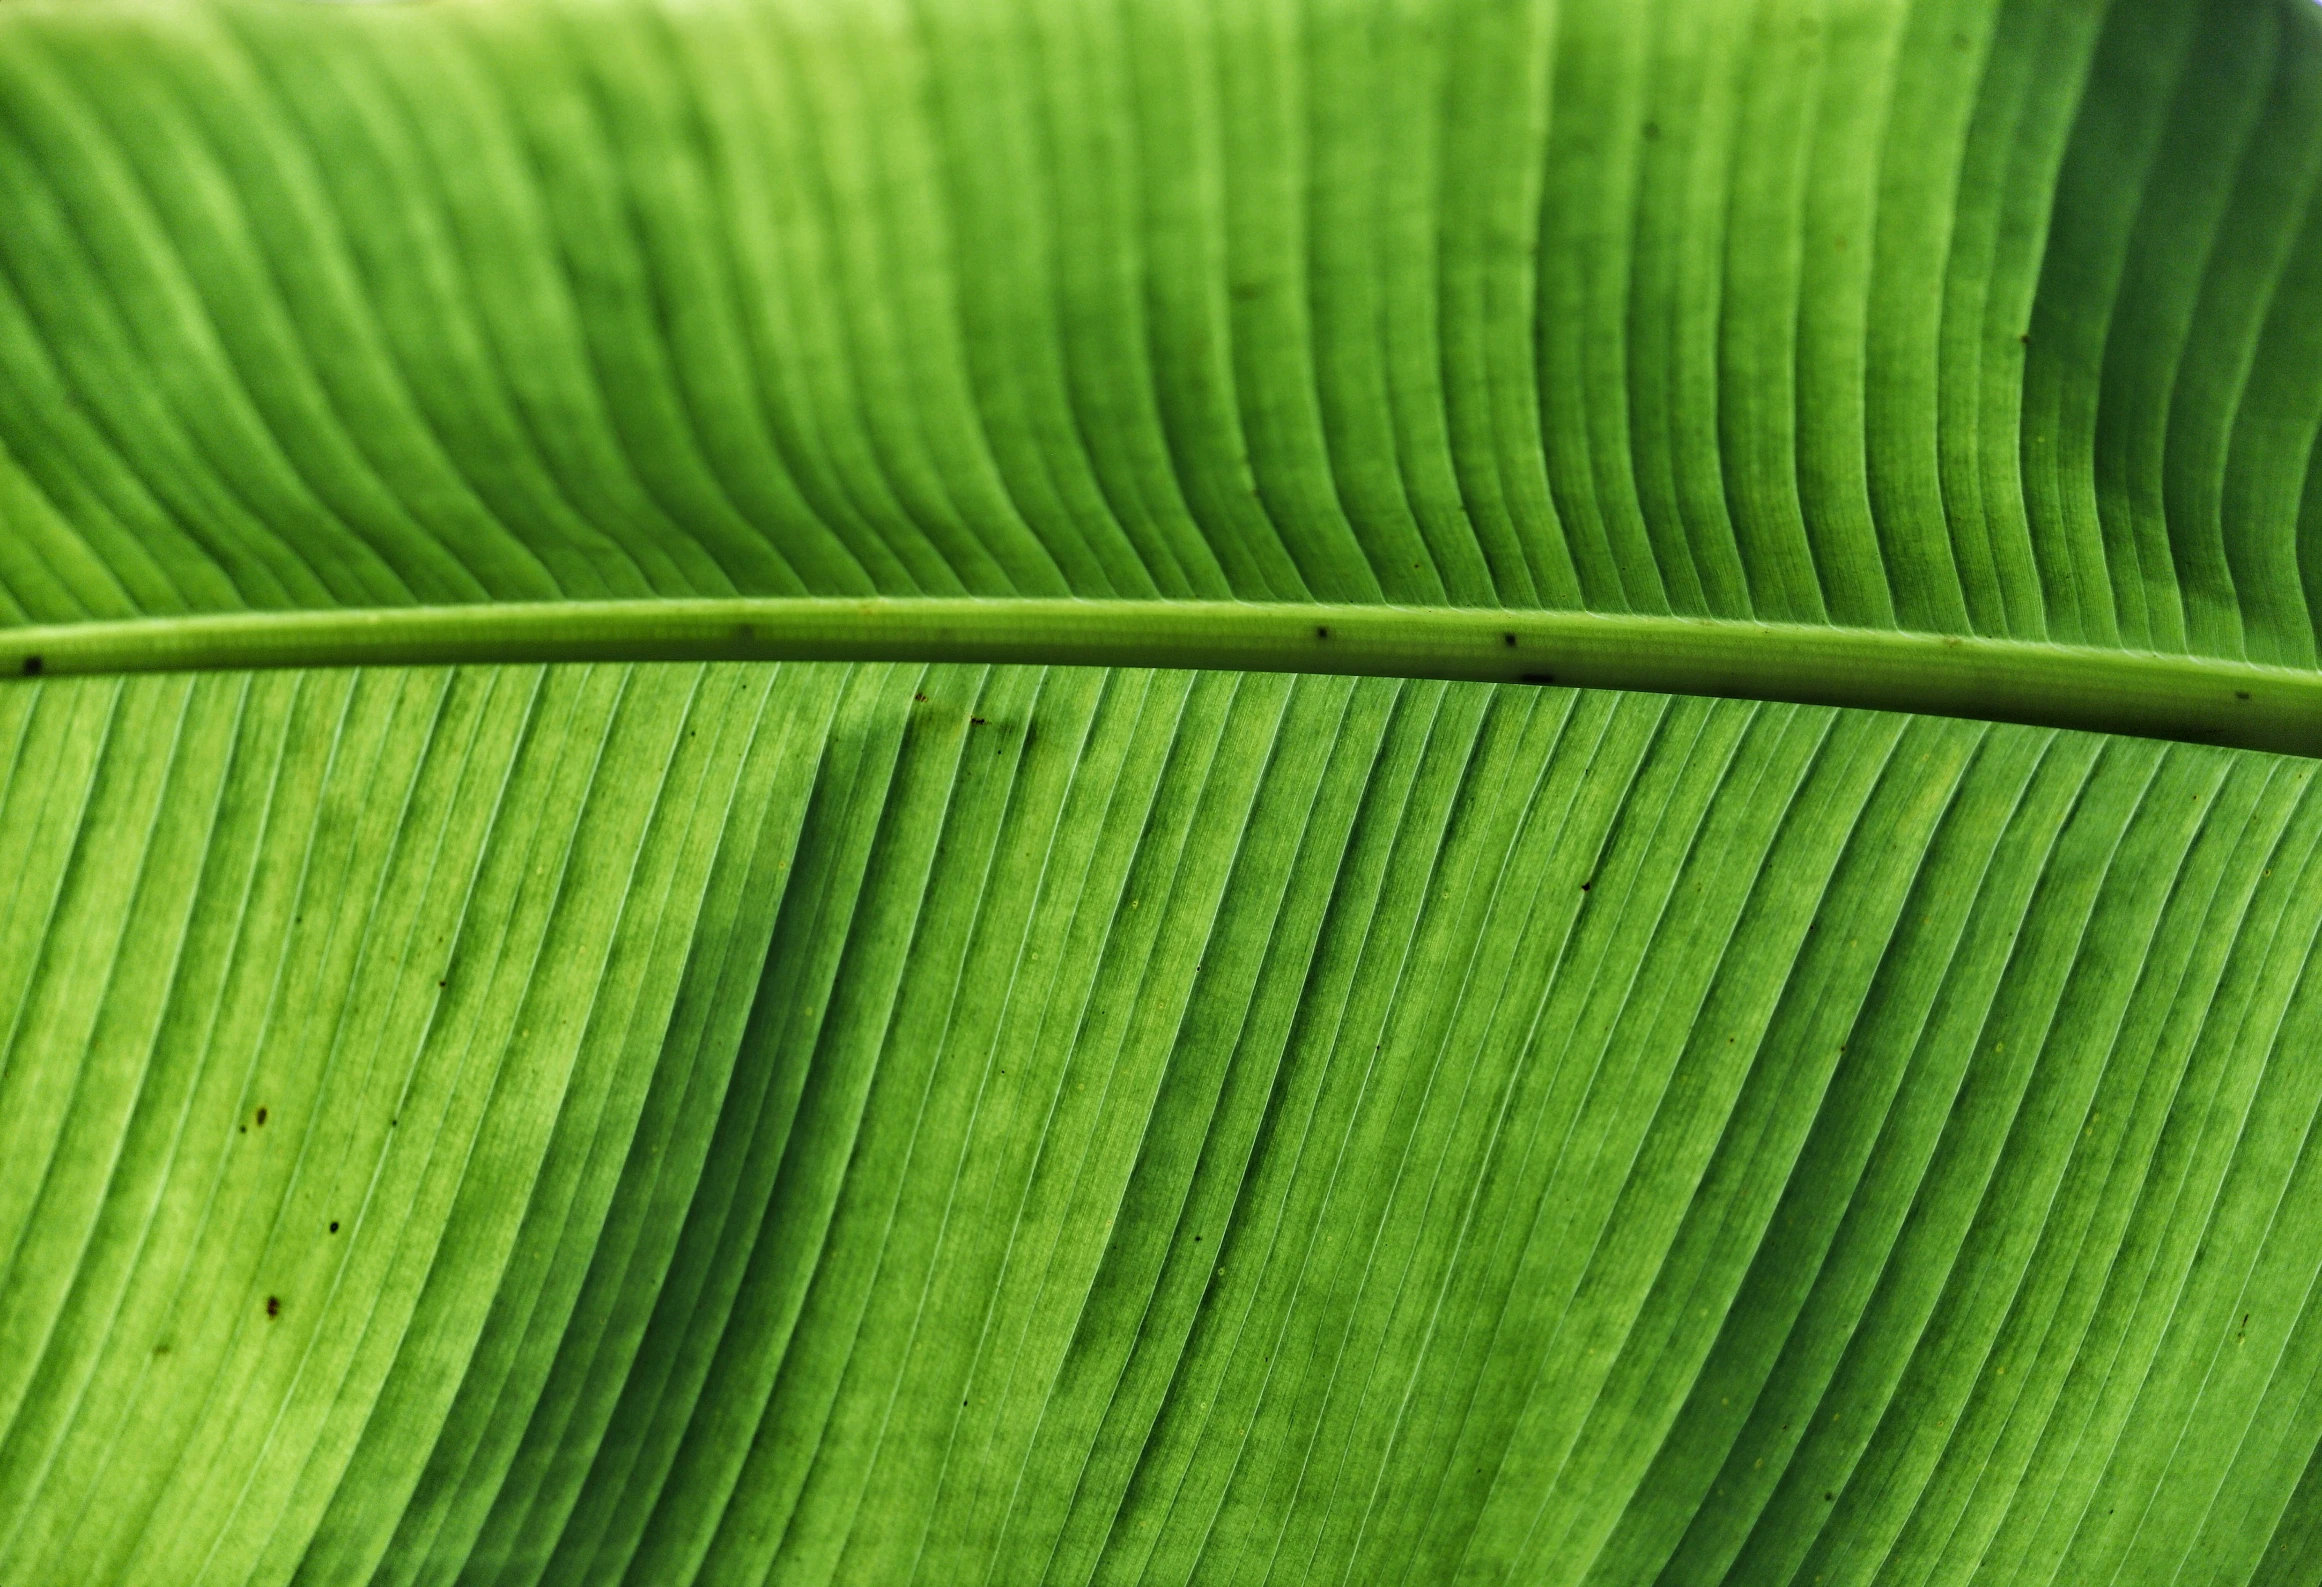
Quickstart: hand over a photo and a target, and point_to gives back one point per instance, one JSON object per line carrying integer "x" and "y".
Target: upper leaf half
{"x": 1989, "y": 317}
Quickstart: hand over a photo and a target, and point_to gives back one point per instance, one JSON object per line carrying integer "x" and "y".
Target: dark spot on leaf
{"x": 261, "y": 1117}
{"x": 273, "y": 1305}
{"x": 1537, "y": 677}
{"x": 32, "y": 666}
{"x": 1652, "y": 130}
{"x": 1509, "y": 640}
{"x": 334, "y": 1226}
{"x": 241, "y": 1129}
{"x": 1585, "y": 886}
{"x": 921, "y": 698}
{"x": 1321, "y": 632}
{"x": 975, "y": 721}
{"x": 2025, "y": 337}
{"x": 443, "y": 983}
{"x": 2241, "y": 694}
{"x": 161, "y": 1349}
{"x": 1830, "y": 1498}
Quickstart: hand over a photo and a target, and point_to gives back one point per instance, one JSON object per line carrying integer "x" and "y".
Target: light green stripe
{"x": 2156, "y": 696}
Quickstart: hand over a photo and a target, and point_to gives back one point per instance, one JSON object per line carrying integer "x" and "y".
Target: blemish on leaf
{"x": 921, "y": 698}
{"x": 273, "y": 1305}
{"x": 1509, "y": 640}
{"x": 1320, "y": 632}
{"x": 1585, "y": 886}
{"x": 260, "y": 1117}
{"x": 32, "y": 666}
{"x": 975, "y": 721}
{"x": 334, "y": 1226}
{"x": 2241, "y": 694}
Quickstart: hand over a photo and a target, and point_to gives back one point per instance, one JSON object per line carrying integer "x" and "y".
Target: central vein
{"x": 2177, "y": 697}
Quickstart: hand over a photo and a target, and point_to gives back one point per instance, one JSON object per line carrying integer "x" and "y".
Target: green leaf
{"x": 1018, "y": 791}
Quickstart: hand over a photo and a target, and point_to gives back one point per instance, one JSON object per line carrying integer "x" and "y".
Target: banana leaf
{"x": 1147, "y": 791}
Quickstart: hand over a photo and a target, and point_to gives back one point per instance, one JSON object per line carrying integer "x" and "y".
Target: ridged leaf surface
{"x": 599, "y": 1113}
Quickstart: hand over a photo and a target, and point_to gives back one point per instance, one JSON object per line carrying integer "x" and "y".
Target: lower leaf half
{"x": 805, "y": 1123}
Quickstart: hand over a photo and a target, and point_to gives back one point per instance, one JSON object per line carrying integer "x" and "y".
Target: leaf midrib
{"x": 2191, "y": 698}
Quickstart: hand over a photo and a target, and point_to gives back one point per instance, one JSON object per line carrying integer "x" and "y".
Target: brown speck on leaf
{"x": 334, "y": 1226}
{"x": 2025, "y": 337}
{"x": 1585, "y": 886}
{"x": 32, "y": 666}
{"x": 2241, "y": 694}
{"x": 261, "y": 1116}
{"x": 975, "y": 721}
{"x": 1509, "y": 640}
{"x": 1829, "y": 1498}
{"x": 273, "y": 1305}
{"x": 1321, "y": 632}
{"x": 921, "y": 698}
